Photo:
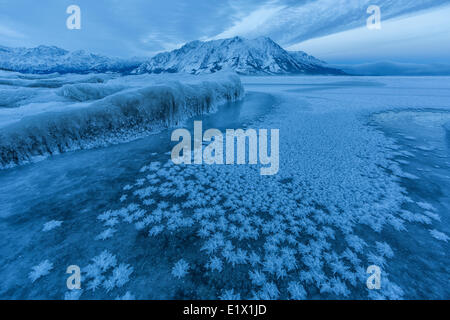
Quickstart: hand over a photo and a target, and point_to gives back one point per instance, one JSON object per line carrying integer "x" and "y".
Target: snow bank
{"x": 88, "y": 91}
{"x": 17, "y": 80}
{"x": 12, "y": 98}
{"x": 141, "y": 105}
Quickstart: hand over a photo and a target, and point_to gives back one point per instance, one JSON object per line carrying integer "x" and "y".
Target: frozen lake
{"x": 364, "y": 180}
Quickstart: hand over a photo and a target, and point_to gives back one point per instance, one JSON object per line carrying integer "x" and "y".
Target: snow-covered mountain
{"x": 247, "y": 57}
{"x": 49, "y": 59}
{"x": 306, "y": 58}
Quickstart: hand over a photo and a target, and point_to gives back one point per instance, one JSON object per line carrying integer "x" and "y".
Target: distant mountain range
{"x": 260, "y": 56}
{"x": 247, "y": 57}
{"x": 50, "y": 59}
{"x": 391, "y": 68}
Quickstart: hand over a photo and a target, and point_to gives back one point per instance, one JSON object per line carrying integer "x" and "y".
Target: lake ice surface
{"x": 364, "y": 180}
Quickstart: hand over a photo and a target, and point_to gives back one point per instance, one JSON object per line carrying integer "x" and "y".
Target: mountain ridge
{"x": 50, "y": 59}
{"x": 393, "y": 68}
{"x": 246, "y": 57}
{"x": 260, "y": 56}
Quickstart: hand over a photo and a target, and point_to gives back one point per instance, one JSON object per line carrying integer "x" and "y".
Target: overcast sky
{"x": 334, "y": 30}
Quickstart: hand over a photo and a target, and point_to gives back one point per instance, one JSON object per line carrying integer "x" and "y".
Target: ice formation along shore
{"x": 54, "y": 114}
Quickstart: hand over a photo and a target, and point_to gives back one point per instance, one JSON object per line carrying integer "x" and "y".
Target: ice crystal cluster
{"x": 277, "y": 234}
{"x": 103, "y": 273}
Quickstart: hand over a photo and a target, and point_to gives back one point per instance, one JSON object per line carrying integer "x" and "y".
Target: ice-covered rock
{"x": 86, "y": 115}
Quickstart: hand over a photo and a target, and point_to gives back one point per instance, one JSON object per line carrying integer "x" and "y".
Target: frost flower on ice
{"x": 215, "y": 264}
{"x": 121, "y": 274}
{"x": 73, "y": 294}
{"x": 229, "y": 295}
{"x": 296, "y": 291}
{"x": 180, "y": 269}
{"x": 108, "y": 233}
{"x": 40, "y": 270}
{"x": 258, "y": 278}
{"x": 51, "y": 225}
{"x": 126, "y": 296}
{"x": 439, "y": 235}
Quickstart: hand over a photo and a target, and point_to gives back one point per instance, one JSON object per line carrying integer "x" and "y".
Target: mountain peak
{"x": 261, "y": 55}
{"x": 238, "y": 38}
{"x": 265, "y": 39}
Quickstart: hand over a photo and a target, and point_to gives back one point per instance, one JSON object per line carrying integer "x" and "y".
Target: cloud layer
{"x": 140, "y": 27}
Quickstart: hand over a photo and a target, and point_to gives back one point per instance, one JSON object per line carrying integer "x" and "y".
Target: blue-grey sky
{"x": 412, "y": 30}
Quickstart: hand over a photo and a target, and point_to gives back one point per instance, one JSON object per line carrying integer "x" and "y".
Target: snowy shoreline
{"x": 87, "y": 115}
